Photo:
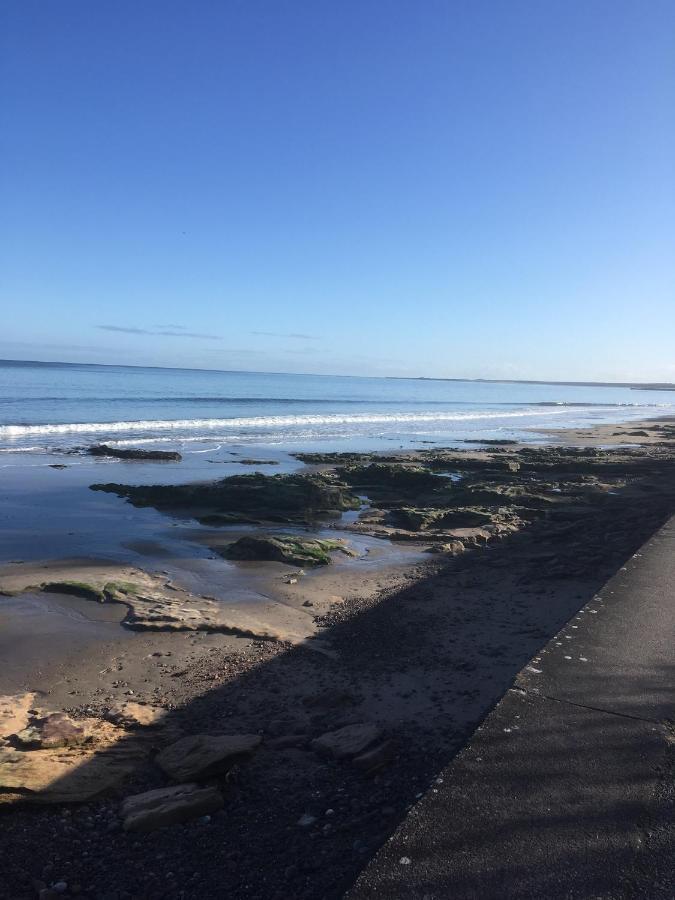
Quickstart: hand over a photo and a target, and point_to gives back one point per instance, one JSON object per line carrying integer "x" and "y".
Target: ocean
{"x": 56, "y": 406}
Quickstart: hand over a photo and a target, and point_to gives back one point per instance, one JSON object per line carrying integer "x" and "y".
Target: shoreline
{"x": 422, "y": 649}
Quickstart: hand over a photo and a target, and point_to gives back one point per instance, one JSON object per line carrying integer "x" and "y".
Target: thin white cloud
{"x": 172, "y": 331}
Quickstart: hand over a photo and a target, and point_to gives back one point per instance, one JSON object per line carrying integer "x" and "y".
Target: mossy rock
{"x": 294, "y": 551}
{"x": 75, "y": 589}
{"x": 270, "y": 498}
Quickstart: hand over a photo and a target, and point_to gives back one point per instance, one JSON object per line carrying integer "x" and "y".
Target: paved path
{"x": 566, "y": 790}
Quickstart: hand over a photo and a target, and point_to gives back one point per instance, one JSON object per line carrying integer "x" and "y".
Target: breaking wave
{"x": 267, "y": 422}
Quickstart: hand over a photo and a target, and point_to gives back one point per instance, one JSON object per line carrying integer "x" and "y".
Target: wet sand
{"x": 422, "y": 645}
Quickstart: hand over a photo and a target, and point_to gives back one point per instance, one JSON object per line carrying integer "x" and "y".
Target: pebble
{"x": 306, "y": 820}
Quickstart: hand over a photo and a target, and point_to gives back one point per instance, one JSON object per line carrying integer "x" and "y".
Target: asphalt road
{"x": 566, "y": 790}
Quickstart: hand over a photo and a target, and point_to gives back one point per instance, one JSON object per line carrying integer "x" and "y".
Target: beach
{"x": 354, "y": 682}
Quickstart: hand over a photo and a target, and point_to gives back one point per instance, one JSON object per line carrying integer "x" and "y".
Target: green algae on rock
{"x": 296, "y": 551}
{"x": 246, "y": 498}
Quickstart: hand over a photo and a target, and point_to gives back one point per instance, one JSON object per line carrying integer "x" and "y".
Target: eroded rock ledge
{"x": 153, "y": 602}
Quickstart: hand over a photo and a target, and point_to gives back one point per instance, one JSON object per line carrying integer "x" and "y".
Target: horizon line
{"x": 646, "y": 385}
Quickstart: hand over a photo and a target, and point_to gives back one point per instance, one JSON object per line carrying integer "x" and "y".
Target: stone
{"x": 14, "y": 713}
{"x": 351, "y": 740}
{"x": 52, "y": 731}
{"x": 129, "y": 714}
{"x": 202, "y": 755}
{"x": 451, "y": 548}
{"x": 169, "y": 806}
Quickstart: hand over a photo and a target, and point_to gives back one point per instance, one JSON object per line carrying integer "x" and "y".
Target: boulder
{"x": 52, "y": 731}
{"x": 135, "y": 715}
{"x": 202, "y": 755}
{"x": 295, "y": 551}
{"x": 169, "y": 806}
{"x": 351, "y": 740}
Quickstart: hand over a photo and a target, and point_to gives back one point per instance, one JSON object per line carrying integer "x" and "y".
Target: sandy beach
{"x": 379, "y": 606}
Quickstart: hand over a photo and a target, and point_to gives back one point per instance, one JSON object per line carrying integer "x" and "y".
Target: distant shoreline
{"x": 632, "y": 385}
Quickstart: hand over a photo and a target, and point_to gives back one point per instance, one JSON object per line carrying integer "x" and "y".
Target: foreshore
{"x": 408, "y": 648}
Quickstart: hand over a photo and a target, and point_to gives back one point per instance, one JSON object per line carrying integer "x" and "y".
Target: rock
{"x": 374, "y": 759}
{"x": 452, "y": 548}
{"x": 169, "y": 806}
{"x": 14, "y": 713}
{"x": 154, "y": 603}
{"x": 122, "y": 453}
{"x": 69, "y": 774}
{"x": 54, "y": 730}
{"x": 306, "y": 820}
{"x": 351, "y": 740}
{"x": 402, "y": 479}
{"x": 135, "y": 715}
{"x": 74, "y": 589}
{"x": 243, "y": 498}
{"x": 202, "y": 755}
{"x": 289, "y": 549}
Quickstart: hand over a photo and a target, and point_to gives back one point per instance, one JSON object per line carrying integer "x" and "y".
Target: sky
{"x": 453, "y": 189}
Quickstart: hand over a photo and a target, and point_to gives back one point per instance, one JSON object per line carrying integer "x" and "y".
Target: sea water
{"x": 56, "y": 406}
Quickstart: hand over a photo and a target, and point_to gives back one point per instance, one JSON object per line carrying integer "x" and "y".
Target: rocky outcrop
{"x": 124, "y": 453}
{"x": 204, "y": 755}
{"x": 154, "y": 603}
{"x": 290, "y": 549}
{"x": 385, "y": 478}
{"x": 349, "y": 741}
{"x": 246, "y": 498}
{"x": 169, "y": 806}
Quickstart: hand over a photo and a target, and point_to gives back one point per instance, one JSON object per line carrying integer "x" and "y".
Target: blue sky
{"x": 480, "y": 189}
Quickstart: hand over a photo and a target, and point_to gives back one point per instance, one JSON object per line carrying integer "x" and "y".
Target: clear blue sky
{"x": 456, "y": 188}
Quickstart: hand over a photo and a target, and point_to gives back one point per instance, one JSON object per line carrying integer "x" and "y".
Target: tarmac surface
{"x": 566, "y": 789}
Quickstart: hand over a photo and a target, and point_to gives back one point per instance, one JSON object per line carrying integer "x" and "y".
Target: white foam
{"x": 268, "y": 422}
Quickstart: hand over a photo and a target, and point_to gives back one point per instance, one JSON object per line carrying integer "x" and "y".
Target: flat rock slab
{"x": 14, "y": 713}
{"x": 154, "y": 603}
{"x": 169, "y": 806}
{"x": 351, "y": 740}
{"x": 135, "y": 715}
{"x": 51, "y": 731}
{"x": 202, "y": 755}
{"x": 69, "y": 774}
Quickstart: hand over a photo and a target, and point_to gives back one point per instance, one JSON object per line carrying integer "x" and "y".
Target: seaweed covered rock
{"x": 246, "y": 498}
{"x": 392, "y": 476}
{"x": 131, "y": 453}
{"x": 296, "y": 551}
